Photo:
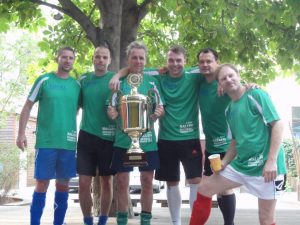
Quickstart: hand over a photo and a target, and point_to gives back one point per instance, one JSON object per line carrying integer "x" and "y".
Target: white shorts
{"x": 256, "y": 184}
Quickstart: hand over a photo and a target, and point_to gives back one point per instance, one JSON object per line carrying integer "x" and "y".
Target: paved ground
{"x": 288, "y": 212}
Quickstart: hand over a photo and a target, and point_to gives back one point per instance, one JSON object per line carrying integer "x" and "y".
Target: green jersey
{"x": 181, "y": 119}
{"x": 212, "y": 108}
{"x": 58, "y": 103}
{"x": 249, "y": 118}
{"x": 94, "y": 95}
{"x": 148, "y": 140}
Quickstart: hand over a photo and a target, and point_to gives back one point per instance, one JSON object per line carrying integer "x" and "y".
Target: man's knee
{"x": 62, "y": 185}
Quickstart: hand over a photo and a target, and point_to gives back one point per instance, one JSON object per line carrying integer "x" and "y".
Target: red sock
{"x": 201, "y": 210}
{"x": 273, "y": 224}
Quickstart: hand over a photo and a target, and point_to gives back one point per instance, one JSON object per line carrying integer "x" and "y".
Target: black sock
{"x": 227, "y": 206}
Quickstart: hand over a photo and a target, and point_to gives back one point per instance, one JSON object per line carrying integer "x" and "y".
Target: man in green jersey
{"x": 212, "y": 108}
{"x": 95, "y": 142}
{"x": 178, "y": 136}
{"x": 255, "y": 159}
{"x": 56, "y": 135}
{"x": 136, "y": 59}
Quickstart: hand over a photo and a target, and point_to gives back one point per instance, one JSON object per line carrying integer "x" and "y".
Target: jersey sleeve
{"x": 37, "y": 89}
{"x": 262, "y": 104}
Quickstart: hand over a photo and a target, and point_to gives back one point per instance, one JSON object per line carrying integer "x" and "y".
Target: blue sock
{"x": 37, "y": 207}
{"x": 60, "y": 207}
{"x": 88, "y": 220}
{"x": 102, "y": 220}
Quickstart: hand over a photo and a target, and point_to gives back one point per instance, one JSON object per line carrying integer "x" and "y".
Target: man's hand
{"x": 21, "y": 142}
{"x": 250, "y": 86}
{"x": 112, "y": 112}
{"x": 114, "y": 83}
{"x": 220, "y": 91}
{"x": 158, "y": 113}
{"x": 270, "y": 170}
{"x": 163, "y": 70}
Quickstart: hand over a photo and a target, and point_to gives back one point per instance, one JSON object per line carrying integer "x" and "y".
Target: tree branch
{"x": 143, "y": 10}
{"x": 48, "y": 5}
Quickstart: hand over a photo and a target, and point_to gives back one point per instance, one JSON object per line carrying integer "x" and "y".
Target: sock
{"x": 88, "y": 220}
{"x": 219, "y": 200}
{"x": 122, "y": 218}
{"x": 174, "y": 203}
{"x": 37, "y": 207}
{"x": 193, "y": 194}
{"x": 145, "y": 218}
{"x": 201, "y": 210}
{"x": 102, "y": 220}
{"x": 228, "y": 203}
{"x": 60, "y": 207}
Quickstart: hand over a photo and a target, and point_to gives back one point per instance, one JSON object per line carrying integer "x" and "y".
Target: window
{"x": 296, "y": 121}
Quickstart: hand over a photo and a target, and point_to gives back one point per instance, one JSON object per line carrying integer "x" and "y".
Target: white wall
{"x": 285, "y": 93}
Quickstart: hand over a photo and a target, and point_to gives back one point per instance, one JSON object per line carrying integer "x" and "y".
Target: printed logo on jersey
{"x": 256, "y": 161}
{"x": 219, "y": 141}
{"x": 186, "y": 128}
{"x": 72, "y": 136}
{"x": 146, "y": 138}
{"x": 109, "y": 131}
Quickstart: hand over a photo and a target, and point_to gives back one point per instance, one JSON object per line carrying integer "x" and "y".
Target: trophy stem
{"x": 135, "y": 146}
{"x": 135, "y": 156}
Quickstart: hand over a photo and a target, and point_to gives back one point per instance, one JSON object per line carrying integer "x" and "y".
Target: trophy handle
{"x": 114, "y": 97}
{"x": 157, "y": 101}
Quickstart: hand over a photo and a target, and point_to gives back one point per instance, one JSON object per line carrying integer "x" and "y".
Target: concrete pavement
{"x": 288, "y": 211}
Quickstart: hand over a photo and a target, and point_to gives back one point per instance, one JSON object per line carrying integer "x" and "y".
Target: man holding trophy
{"x": 135, "y": 140}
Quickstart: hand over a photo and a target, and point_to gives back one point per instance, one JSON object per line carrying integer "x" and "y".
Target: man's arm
{"x": 114, "y": 83}
{"x": 230, "y": 154}
{"x": 270, "y": 168}
{"x": 21, "y": 139}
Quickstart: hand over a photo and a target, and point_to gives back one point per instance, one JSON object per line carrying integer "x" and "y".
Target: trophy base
{"x": 135, "y": 159}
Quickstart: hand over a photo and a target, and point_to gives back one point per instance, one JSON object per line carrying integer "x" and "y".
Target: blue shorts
{"x": 117, "y": 161}
{"x": 53, "y": 163}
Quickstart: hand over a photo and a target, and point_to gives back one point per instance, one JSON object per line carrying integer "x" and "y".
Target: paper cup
{"x": 215, "y": 162}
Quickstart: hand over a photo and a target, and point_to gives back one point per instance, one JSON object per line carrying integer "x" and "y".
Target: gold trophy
{"x": 134, "y": 110}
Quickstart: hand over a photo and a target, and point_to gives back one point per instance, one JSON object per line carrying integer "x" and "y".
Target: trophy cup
{"x": 134, "y": 111}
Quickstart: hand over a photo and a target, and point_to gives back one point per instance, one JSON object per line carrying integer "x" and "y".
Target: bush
{"x": 10, "y": 163}
{"x": 289, "y": 157}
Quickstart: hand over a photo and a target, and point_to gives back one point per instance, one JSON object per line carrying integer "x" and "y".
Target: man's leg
{"x": 61, "y": 201}
{"x": 174, "y": 202}
{"x": 227, "y": 204}
{"x": 266, "y": 211}
{"x": 38, "y": 201}
{"x": 122, "y": 197}
{"x": 105, "y": 199}
{"x": 146, "y": 196}
{"x": 193, "y": 184}
{"x": 207, "y": 188}
{"x": 85, "y": 198}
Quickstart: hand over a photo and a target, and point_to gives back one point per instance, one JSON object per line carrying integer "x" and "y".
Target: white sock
{"x": 174, "y": 203}
{"x": 193, "y": 194}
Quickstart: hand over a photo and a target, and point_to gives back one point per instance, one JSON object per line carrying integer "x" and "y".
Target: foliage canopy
{"x": 262, "y": 36}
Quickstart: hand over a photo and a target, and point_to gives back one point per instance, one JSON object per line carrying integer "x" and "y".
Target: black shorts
{"x": 171, "y": 153}
{"x": 207, "y": 168}
{"x": 117, "y": 161}
{"x": 93, "y": 153}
